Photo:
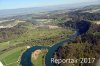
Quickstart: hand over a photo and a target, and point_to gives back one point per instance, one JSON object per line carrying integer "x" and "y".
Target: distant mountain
{"x": 90, "y": 9}
{"x": 21, "y": 11}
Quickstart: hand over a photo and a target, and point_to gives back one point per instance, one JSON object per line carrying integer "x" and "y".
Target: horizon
{"x": 17, "y": 4}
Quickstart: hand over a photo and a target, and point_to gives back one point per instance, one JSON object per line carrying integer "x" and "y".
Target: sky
{"x": 13, "y": 4}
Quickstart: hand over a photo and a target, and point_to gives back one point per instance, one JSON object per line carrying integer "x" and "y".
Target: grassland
{"x": 34, "y": 35}
{"x": 97, "y": 33}
{"x": 39, "y": 61}
{"x": 11, "y": 58}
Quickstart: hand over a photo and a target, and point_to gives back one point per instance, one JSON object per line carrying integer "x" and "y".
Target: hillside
{"x": 21, "y": 32}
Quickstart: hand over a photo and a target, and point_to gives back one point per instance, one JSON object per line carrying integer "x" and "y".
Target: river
{"x": 82, "y": 27}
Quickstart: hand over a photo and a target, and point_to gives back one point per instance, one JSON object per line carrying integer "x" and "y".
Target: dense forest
{"x": 86, "y": 45}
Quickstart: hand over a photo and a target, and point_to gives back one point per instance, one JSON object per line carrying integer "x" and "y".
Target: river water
{"x": 82, "y": 27}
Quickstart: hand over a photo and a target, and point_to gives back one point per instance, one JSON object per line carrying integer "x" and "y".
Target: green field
{"x": 11, "y": 58}
{"x": 97, "y": 33}
{"x": 34, "y": 35}
{"x": 40, "y": 61}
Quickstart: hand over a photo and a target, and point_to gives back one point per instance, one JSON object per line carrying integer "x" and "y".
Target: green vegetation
{"x": 77, "y": 51}
{"x": 39, "y": 61}
{"x": 12, "y": 57}
{"x": 97, "y": 33}
{"x": 13, "y": 41}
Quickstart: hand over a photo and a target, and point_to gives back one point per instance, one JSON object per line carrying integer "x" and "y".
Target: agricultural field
{"x": 28, "y": 32}
{"x": 12, "y": 48}
{"x": 12, "y": 57}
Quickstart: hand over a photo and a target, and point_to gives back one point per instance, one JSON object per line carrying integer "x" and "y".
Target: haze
{"x": 14, "y": 4}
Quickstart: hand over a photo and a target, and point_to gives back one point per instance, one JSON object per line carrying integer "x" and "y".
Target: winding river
{"x": 82, "y": 27}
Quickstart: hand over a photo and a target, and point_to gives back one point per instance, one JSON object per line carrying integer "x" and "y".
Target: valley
{"x": 21, "y": 32}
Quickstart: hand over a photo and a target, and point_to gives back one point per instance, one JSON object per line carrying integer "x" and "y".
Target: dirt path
{"x": 35, "y": 54}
